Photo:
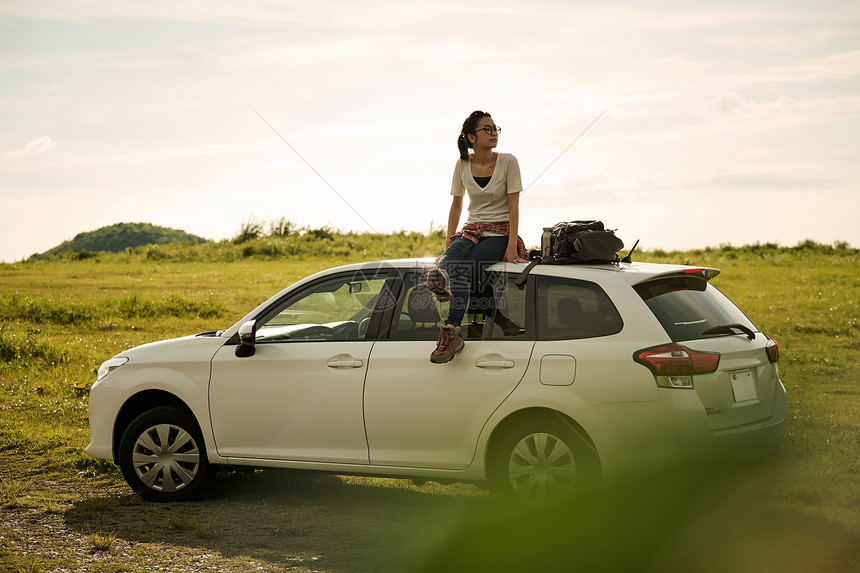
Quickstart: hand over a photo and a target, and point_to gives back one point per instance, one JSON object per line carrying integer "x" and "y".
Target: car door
{"x": 299, "y": 396}
{"x": 419, "y": 414}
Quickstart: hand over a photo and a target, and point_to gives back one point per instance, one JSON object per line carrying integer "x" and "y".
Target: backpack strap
{"x": 524, "y": 275}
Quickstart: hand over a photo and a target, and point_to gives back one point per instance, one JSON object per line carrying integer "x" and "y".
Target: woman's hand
{"x": 513, "y": 256}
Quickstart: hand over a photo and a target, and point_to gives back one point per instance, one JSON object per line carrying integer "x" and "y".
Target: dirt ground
{"x": 271, "y": 521}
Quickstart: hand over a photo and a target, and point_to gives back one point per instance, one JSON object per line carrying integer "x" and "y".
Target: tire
{"x": 542, "y": 460}
{"x": 162, "y": 455}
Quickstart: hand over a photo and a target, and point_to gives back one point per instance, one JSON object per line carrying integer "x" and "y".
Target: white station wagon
{"x": 600, "y": 369}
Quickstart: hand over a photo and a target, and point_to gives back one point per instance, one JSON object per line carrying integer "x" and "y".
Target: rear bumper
{"x": 761, "y": 438}
{"x": 650, "y": 435}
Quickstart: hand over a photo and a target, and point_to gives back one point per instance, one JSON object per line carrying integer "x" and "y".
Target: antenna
{"x": 627, "y": 259}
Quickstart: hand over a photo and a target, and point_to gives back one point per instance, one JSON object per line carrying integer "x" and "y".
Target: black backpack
{"x": 583, "y": 242}
{"x": 577, "y": 242}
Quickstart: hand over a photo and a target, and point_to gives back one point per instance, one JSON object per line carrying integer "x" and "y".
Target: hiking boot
{"x": 437, "y": 282}
{"x": 450, "y": 342}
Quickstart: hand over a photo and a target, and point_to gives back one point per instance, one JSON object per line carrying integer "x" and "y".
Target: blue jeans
{"x": 464, "y": 261}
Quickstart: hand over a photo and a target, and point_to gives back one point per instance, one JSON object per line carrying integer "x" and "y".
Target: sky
{"x": 682, "y": 124}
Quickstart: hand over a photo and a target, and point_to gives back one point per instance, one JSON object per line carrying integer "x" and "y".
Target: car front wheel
{"x": 542, "y": 460}
{"x": 162, "y": 455}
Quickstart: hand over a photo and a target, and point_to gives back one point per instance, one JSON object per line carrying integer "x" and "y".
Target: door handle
{"x": 495, "y": 362}
{"x": 344, "y": 361}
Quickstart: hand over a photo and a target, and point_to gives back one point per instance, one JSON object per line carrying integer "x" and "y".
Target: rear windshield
{"x": 688, "y": 306}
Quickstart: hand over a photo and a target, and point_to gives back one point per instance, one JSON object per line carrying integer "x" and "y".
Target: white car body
{"x": 377, "y": 406}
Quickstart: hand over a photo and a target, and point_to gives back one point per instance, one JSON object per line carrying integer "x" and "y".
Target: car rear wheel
{"x": 542, "y": 460}
{"x": 162, "y": 455}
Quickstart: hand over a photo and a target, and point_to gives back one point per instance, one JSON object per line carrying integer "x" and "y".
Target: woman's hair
{"x": 470, "y": 127}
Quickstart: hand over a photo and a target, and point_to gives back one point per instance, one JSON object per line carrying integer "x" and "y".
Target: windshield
{"x": 689, "y": 306}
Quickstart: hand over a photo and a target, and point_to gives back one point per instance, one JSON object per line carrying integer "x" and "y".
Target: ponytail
{"x": 463, "y": 146}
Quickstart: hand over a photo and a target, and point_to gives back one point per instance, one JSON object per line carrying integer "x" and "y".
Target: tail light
{"x": 772, "y": 349}
{"x": 674, "y": 365}
{"x": 707, "y": 274}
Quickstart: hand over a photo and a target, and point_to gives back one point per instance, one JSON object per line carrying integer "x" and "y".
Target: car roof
{"x": 633, "y": 273}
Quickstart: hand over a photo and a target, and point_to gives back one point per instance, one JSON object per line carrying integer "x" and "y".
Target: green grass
{"x": 61, "y": 317}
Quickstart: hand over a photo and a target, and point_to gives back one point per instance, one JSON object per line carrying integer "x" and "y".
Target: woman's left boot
{"x": 450, "y": 342}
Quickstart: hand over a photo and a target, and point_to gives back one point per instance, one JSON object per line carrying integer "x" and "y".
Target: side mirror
{"x": 247, "y": 338}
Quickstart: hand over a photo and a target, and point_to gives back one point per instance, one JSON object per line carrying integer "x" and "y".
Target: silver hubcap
{"x": 541, "y": 466}
{"x": 166, "y": 458}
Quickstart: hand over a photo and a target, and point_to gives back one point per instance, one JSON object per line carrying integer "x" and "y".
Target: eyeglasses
{"x": 490, "y": 129}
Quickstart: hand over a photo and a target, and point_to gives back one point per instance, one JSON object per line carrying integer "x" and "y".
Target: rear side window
{"x": 688, "y": 306}
{"x": 571, "y": 309}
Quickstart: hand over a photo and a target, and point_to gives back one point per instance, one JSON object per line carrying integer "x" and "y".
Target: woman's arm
{"x": 511, "y": 254}
{"x": 453, "y": 218}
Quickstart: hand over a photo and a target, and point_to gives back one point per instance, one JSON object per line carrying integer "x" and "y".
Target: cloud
{"x": 766, "y": 182}
{"x": 159, "y": 156}
{"x": 80, "y": 61}
{"x": 841, "y": 66}
{"x": 266, "y": 12}
{"x": 36, "y": 147}
{"x": 732, "y": 112}
{"x": 729, "y": 103}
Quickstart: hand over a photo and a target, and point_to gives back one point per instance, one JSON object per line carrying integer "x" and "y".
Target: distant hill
{"x": 116, "y": 238}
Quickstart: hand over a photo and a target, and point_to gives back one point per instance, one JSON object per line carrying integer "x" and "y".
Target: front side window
{"x": 573, "y": 309}
{"x": 334, "y": 309}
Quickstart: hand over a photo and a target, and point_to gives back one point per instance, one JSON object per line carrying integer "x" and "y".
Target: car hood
{"x": 164, "y": 350}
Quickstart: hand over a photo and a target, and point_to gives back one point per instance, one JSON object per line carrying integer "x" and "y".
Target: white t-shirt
{"x": 488, "y": 204}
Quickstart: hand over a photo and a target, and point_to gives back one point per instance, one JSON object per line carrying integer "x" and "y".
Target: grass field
{"x": 61, "y": 510}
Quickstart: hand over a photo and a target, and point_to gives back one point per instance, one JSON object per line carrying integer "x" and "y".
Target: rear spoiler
{"x": 706, "y": 273}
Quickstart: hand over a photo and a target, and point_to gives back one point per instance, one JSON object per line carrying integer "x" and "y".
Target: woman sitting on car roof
{"x": 492, "y": 181}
